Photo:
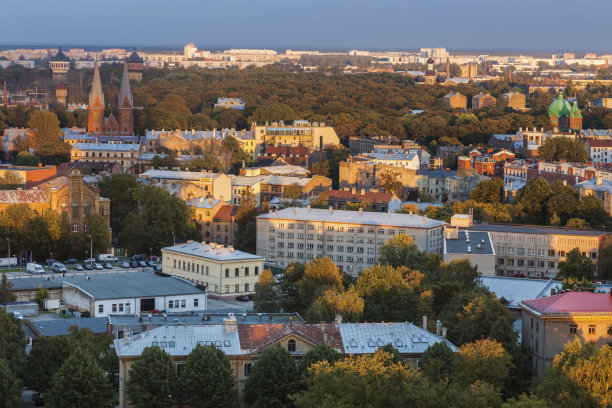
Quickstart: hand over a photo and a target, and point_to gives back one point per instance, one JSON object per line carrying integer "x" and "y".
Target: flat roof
{"x": 60, "y": 327}
{"x": 535, "y": 229}
{"x": 178, "y": 175}
{"x": 131, "y": 284}
{"x": 353, "y": 217}
{"x": 476, "y": 240}
{"x": 212, "y": 251}
{"x": 204, "y": 318}
{"x": 33, "y": 283}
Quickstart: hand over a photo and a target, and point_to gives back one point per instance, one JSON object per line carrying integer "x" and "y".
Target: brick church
{"x": 123, "y": 124}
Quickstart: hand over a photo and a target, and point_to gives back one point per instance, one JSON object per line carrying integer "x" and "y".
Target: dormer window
{"x": 291, "y": 346}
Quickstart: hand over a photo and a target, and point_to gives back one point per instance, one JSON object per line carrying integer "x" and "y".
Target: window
{"x": 237, "y": 272}
{"x": 551, "y": 252}
{"x": 291, "y": 346}
{"x": 561, "y": 253}
{"x": 114, "y": 308}
{"x": 573, "y": 329}
{"x": 121, "y": 307}
{"x": 75, "y": 227}
{"x": 537, "y": 326}
{"x": 247, "y": 369}
{"x": 520, "y": 251}
{"x": 237, "y": 288}
{"x": 256, "y": 270}
{"x": 171, "y": 304}
{"x": 246, "y": 287}
{"x": 520, "y": 262}
{"x": 84, "y": 227}
{"x": 196, "y": 302}
{"x": 227, "y": 273}
{"x": 530, "y": 264}
{"x": 500, "y": 261}
{"x": 592, "y": 330}
{"x": 206, "y": 269}
{"x": 100, "y": 308}
{"x": 246, "y": 271}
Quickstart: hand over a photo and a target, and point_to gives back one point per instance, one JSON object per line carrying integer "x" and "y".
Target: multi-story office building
{"x": 351, "y": 238}
{"x": 535, "y": 251}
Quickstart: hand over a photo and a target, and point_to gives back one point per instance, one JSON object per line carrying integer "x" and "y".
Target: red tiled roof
{"x": 600, "y": 143}
{"x": 226, "y": 213}
{"x": 23, "y": 196}
{"x": 254, "y": 337}
{"x": 367, "y": 196}
{"x": 572, "y": 302}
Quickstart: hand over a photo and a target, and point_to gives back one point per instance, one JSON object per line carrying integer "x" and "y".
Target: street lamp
{"x": 151, "y": 257}
{"x": 174, "y": 237}
{"x": 91, "y": 244}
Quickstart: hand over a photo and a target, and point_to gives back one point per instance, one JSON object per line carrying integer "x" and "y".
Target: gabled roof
{"x": 212, "y": 251}
{"x": 570, "y": 303}
{"x": 23, "y": 196}
{"x": 226, "y": 213}
{"x": 516, "y": 290}
{"x": 254, "y": 338}
{"x": 599, "y": 143}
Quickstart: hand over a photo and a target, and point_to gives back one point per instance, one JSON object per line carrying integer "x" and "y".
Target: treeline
{"x": 146, "y": 218}
{"x": 30, "y": 234}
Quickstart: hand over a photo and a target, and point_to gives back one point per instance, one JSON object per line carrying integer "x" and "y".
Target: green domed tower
{"x": 559, "y": 112}
{"x": 575, "y": 120}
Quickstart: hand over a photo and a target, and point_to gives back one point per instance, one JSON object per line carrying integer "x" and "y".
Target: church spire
{"x": 96, "y": 87}
{"x": 125, "y": 91}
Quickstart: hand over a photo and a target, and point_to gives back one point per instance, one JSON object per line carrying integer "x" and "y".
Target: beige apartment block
{"x": 214, "y": 185}
{"x": 125, "y": 154}
{"x": 455, "y": 100}
{"x": 515, "y": 100}
{"x": 299, "y": 133}
{"x": 483, "y": 100}
{"x": 352, "y": 239}
{"x": 535, "y": 251}
{"x": 549, "y": 323}
{"x": 226, "y": 272}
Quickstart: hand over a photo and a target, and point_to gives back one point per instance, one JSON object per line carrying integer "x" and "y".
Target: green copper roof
{"x": 575, "y": 111}
{"x": 559, "y": 107}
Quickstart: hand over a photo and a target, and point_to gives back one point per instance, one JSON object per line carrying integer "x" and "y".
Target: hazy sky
{"x": 579, "y": 25}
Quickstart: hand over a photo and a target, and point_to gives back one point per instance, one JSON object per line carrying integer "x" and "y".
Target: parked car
{"x": 70, "y": 261}
{"x": 157, "y": 268}
{"x": 125, "y": 264}
{"x": 244, "y": 298}
{"x": 90, "y": 260}
{"x": 79, "y": 267}
{"x": 50, "y": 261}
{"x": 58, "y": 267}
{"x": 133, "y": 264}
{"x": 85, "y": 314}
{"x": 107, "y": 258}
{"x": 142, "y": 264}
{"x": 108, "y": 266}
{"x": 34, "y": 268}
{"x": 18, "y": 315}
{"x": 38, "y": 399}
{"x": 150, "y": 263}
{"x": 139, "y": 257}
{"x": 98, "y": 266}
{"x": 89, "y": 267}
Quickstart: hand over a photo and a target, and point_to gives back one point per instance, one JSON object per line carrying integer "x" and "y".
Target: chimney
{"x": 444, "y": 332}
{"x": 165, "y": 317}
{"x": 126, "y": 338}
{"x": 360, "y": 210}
{"x": 150, "y": 317}
{"x": 424, "y": 322}
{"x": 338, "y": 318}
{"x": 230, "y": 324}
{"x": 331, "y": 209}
{"x": 438, "y": 327}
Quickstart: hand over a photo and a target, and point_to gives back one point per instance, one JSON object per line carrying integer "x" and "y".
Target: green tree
{"x": 320, "y": 275}
{"x": 335, "y": 155}
{"x": 246, "y": 227}
{"x": 525, "y": 401}
{"x": 488, "y": 191}
{"x": 12, "y": 341}
{"x": 591, "y": 209}
{"x": 79, "y": 382}
{"x": 482, "y": 360}
{"x": 480, "y": 394}
{"x": 47, "y": 137}
{"x": 273, "y": 378}
{"x": 97, "y": 236}
{"x": 579, "y": 377}
{"x": 332, "y": 302}
{"x": 389, "y": 182}
{"x": 267, "y": 299}
{"x": 293, "y": 191}
{"x": 576, "y": 266}
{"x": 46, "y": 357}
{"x": 41, "y": 295}
{"x": 437, "y": 362}
{"x": 119, "y": 188}
{"x": 563, "y": 148}
{"x": 207, "y": 379}
{"x": 604, "y": 266}
{"x": 27, "y": 159}
{"x": 369, "y": 380}
{"x": 401, "y": 251}
{"x": 6, "y": 295}
{"x": 393, "y": 294}
{"x": 152, "y": 379}
{"x": 531, "y": 201}
{"x": 288, "y": 288}
{"x": 10, "y": 387}
{"x": 322, "y": 352}
{"x": 273, "y": 113}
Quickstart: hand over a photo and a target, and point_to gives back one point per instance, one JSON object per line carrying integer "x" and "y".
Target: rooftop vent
{"x": 469, "y": 249}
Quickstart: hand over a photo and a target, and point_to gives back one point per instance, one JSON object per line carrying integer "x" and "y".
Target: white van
{"x": 107, "y": 258}
{"x": 34, "y": 268}
{"x": 58, "y": 267}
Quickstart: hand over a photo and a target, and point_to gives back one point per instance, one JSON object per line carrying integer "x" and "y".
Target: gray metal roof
{"x": 515, "y": 290}
{"x": 132, "y": 284}
{"x": 476, "y": 239}
{"x": 216, "y": 252}
{"x": 534, "y": 229}
{"x": 32, "y": 283}
{"x": 180, "y": 340}
{"x": 204, "y": 319}
{"x": 362, "y": 338}
{"x": 59, "y": 327}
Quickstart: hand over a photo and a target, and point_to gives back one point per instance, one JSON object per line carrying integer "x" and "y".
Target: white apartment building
{"x": 351, "y": 238}
{"x": 225, "y": 271}
{"x": 600, "y": 151}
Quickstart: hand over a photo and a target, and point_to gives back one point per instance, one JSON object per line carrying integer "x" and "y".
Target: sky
{"x": 467, "y": 25}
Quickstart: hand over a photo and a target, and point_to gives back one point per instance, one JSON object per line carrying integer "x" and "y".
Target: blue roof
{"x": 59, "y": 327}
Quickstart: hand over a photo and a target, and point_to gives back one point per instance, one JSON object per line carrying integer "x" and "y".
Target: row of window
{"x": 521, "y": 263}
{"x": 172, "y": 304}
{"x": 320, "y": 247}
{"x": 93, "y": 154}
{"x": 540, "y": 252}
{"x": 321, "y": 237}
{"x": 360, "y": 230}
{"x": 204, "y": 269}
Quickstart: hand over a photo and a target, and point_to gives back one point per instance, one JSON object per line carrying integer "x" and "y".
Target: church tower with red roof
{"x": 95, "y": 121}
